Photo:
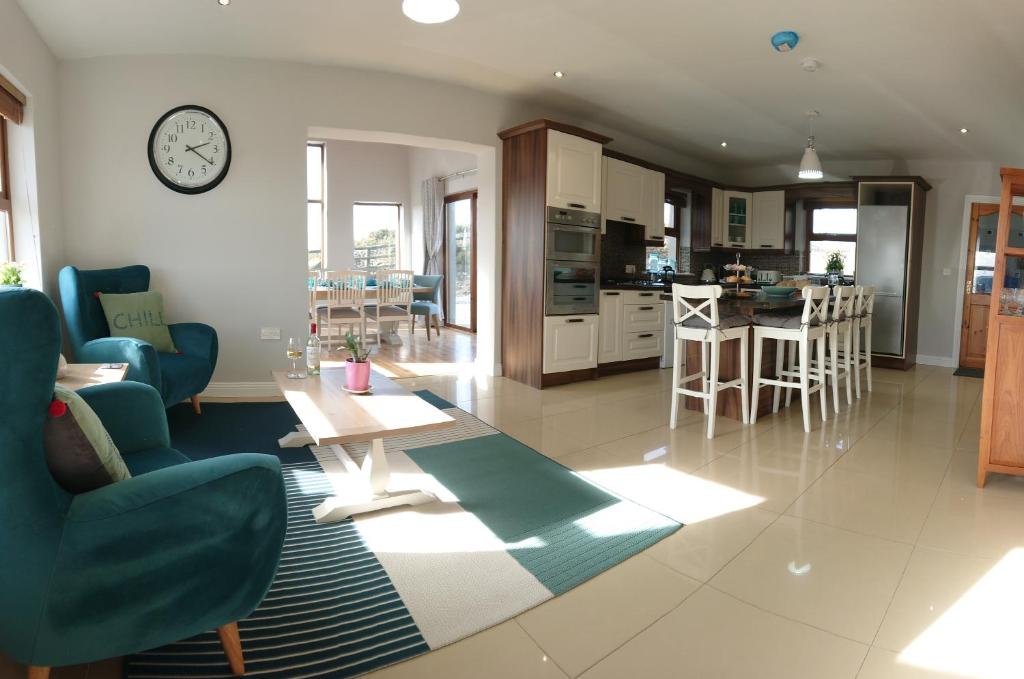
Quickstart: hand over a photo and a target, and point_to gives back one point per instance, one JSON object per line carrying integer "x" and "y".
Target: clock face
{"x": 189, "y": 149}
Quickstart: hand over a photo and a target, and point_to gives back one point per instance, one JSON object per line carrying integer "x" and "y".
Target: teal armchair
{"x": 175, "y": 376}
{"x": 178, "y": 549}
{"x": 428, "y": 304}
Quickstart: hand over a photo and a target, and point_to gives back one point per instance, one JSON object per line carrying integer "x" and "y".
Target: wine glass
{"x": 294, "y": 352}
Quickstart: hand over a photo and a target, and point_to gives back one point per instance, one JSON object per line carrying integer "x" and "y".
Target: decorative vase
{"x": 835, "y": 278}
{"x": 357, "y": 375}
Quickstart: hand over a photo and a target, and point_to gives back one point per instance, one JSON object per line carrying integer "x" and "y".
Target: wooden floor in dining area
{"x": 451, "y": 353}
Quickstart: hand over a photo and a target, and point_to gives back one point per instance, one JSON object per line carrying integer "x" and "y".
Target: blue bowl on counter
{"x": 778, "y": 291}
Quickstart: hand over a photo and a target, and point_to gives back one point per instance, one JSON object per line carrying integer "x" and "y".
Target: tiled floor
{"x": 862, "y": 549}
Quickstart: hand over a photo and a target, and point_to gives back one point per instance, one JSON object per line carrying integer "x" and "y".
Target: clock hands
{"x": 193, "y": 150}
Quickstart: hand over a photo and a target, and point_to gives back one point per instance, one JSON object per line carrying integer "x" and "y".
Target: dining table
{"x": 730, "y": 365}
{"x": 389, "y": 335}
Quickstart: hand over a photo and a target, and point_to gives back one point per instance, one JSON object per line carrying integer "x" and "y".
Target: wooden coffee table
{"x": 331, "y": 416}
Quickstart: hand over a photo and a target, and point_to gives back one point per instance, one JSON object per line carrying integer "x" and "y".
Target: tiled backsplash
{"x": 787, "y": 264}
{"x": 622, "y": 244}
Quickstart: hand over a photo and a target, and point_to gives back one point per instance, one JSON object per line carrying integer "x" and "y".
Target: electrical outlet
{"x": 630, "y": 268}
{"x": 270, "y": 333}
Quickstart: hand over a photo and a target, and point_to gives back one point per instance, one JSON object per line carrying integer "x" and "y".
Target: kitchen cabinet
{"x": 647, "y": 344}
{"x": 626, "y": 193}
{"x": 609, "y": 334}
{"x": 768, "y": 220}
{"x": 717, "y": 218}
{"x": 570, "y": 343}
{"x": 736, "y": 218}
{"x": 573, "y": 172}
{"x": 654, "y": 227}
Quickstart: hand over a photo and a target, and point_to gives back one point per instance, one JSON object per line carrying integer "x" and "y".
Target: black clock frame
{"x": 155, "y": 166}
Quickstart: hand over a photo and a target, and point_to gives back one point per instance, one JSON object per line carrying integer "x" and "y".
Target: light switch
{"x": 270, "y": 333}
{"x": 630, "y": 268}
{"x": 947, "y": 272}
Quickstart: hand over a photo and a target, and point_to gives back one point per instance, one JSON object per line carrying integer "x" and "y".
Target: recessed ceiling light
{"x": 223, "y": 3}
{"x": 964, "y": 130}
{"x": 724, "y": 144}
{"x": 430, "y": 11}
{"x": 558, "y": 74}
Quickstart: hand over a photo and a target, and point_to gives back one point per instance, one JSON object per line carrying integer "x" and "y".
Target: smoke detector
{"x": 810, "y": 64}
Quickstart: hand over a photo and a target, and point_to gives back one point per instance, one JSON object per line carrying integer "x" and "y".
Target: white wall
{"x": 428, "y": 164}
{"x": 26, "y": 61}
{"x": 236, "y": 257}
{"x": 951, "y": 182}
{"x": 363, "y": 172}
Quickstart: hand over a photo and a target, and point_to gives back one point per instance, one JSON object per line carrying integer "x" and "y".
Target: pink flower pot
{"x": 357, "y": 375}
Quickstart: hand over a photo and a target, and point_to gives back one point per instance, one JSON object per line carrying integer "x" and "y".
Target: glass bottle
{"x": 313, "y": 352}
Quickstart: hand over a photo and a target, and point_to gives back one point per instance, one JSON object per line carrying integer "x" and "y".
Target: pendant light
{"x": 810, "y": 165}
{"x": 430, "y": 11}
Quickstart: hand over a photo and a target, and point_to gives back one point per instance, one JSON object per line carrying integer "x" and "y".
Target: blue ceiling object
{"x": 784, "y": 41}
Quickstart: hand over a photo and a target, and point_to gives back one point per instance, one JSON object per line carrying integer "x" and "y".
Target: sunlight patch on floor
{"x": 433, "y": 529}
{"x": 979, "y": 636}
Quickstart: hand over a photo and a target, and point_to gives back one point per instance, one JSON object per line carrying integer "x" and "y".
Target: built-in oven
{"x": 570, "y": 288}
{"x": 572, "y": 235}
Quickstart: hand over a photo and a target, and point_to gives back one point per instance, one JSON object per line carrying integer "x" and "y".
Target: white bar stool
{"x": 802, "y": 330}
{"x": 700, "y": 322}
{"x": 840, "y": 339}
{"x": 862, "y": 312}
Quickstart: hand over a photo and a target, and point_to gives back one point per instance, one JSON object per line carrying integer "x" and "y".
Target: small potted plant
{"x": 834, "y": 267}
{"x": 357, "y": 366}
{"x": 10, "y": 274}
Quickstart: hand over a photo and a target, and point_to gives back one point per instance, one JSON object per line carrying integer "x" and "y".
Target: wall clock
{"x": 189, "y": 149}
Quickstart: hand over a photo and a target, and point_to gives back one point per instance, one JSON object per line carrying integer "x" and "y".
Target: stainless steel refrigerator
{"x": 882, "y": 263}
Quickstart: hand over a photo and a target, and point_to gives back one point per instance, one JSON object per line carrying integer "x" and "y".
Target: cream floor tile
{"x": 501, "y": 652}
{"x": 933, "y": 584}
{"x": 928, "y": 428}
{"x": 829, "y": 578}
{"x": 967, "y": 520}
{"x": 880, "y": 456}
{"x": 701, "y": 549}
{"x": 713, "y": 636}
{"x": 587, "y": 623}
{"x": 883, "y": 664}
{"x": 889, "y": 506}
{"x": 772, "y": 472}
{"x": 963, "y": 473}
{"x": 543, "y": 437}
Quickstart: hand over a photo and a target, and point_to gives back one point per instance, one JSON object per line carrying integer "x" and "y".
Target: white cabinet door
{"x": 625, "y": 197}
{"x": 717, "y": 218}
{"x": 769, "y": 220}
{"x": 655, "y": 224}
{"x": 610, "y": 331}
{"x": 574, "y": 172}
{"x": 570, "y": 343}
{"x": 643, "y": 345}
{"x": 736, "y": 219}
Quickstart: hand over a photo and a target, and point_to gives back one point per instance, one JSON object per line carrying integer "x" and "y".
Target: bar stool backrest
{"x": 815, "y": 306}
{"x": 685, "y": 304}
{"x": 865, "y": 301}
{"x": 843, "y": 308}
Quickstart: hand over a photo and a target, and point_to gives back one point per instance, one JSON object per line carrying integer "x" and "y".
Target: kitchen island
{"x": 729, "y": 403}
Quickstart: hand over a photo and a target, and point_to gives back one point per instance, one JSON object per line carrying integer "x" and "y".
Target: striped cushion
{"x": 724, "y": 322}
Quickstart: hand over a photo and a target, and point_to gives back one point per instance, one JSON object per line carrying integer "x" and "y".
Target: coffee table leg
{"x": 296, "y": 439}
{"x": 375, "y": 473}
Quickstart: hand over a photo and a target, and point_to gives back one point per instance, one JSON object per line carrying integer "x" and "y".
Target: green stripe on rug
{"x": 559, "y": 526}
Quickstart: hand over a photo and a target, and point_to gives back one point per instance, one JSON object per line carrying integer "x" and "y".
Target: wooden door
{"x": 977, "y": 281}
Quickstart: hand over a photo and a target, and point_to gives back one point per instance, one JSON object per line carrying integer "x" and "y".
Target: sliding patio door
{"x": 460, "y": 260}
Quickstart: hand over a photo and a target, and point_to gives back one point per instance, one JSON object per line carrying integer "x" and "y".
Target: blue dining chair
{"x": 428, "y": 304}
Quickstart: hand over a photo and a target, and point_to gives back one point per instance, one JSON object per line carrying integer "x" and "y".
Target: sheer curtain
{"x": 433, "y": 224}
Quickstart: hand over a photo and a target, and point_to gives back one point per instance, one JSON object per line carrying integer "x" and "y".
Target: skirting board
{"x": 941, "y": 361}
{"x": 242, "y": 390}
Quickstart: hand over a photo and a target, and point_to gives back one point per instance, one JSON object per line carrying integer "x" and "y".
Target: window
{"x": 315, "y": 205}
{"x": 831, "y": 229}
{"x": 6, "y": 224}
{"x": 375, "y": 228}
{"x": 665, "y": 255}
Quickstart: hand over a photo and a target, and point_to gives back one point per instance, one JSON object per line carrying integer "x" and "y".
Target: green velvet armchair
{"x": 178, "y": 549}
{"x": 176, "y": 376}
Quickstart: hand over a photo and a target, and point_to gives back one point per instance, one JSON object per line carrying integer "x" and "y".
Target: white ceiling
{"x": 899, "y": 77}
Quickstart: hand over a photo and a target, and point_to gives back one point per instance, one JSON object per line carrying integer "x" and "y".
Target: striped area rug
{"x": 512, "y": 529}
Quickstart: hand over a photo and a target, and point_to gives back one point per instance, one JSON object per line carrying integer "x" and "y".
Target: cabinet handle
{"x": 717, "y": 244}
{"x": 768, "y": 246}
{"x": 646, "y": 308}
{"x": 646, "y": 335}
{"x": 574, "y": 320}
{"x": 579, "y": 286}
{"x": 610, "y": 294}
{"x": 647, "y": 294}
{"x": 579, "y": 299}
{"x": 578, "y": 206}
{"x": 628, "y": 219}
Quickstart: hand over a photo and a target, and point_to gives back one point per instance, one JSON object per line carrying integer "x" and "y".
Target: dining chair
{"x": 802, "y": 330}
{"x": 696, "y": 319}
{"x": 314, "y": 280}
{"x": 394, "y": 299}
{"x": 863, "y": 310}
{"x": 345, "y": 305}
{"x": 428, "y": 304}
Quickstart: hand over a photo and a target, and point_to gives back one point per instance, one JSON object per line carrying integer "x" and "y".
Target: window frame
{"x": 809, "y": 208}
{"x": 398, "y": 230}
{"x": 323, "y": 204}
{"x": 5, "y": 191}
